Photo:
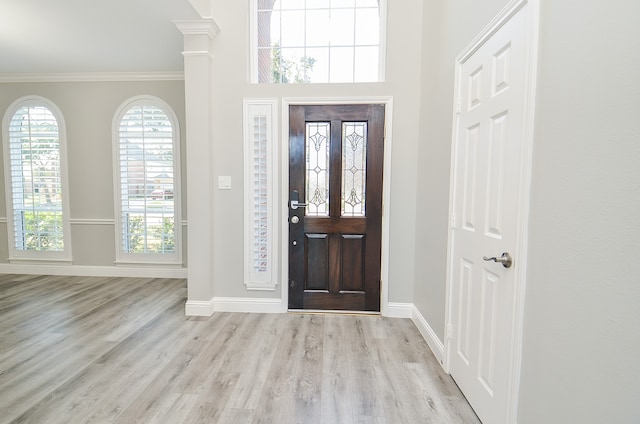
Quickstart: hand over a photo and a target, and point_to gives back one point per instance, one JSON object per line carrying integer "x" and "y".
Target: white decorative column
{"x": 198, "y": 36}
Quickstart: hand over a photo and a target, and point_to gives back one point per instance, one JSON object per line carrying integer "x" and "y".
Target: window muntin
{"x": 318, "y": 41}
{"x": 35, "y": 160}
{"x": 147, "y": 182}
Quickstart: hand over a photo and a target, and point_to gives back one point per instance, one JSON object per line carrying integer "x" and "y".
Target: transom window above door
{"x": 317, "y": 41}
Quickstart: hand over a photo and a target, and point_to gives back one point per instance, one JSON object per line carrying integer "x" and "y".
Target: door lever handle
{"x": 295, "y": 205}
{"x": 506, "y": 260}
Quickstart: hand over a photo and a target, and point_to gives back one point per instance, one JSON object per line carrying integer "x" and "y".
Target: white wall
{"x": 448, "y": 26}
{"x": 582, "y": 324}
{"x": 582, "y": 312}
{"x": 231, "y": 86}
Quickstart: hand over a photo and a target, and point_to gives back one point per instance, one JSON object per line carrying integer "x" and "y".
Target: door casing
{"x": 387, "y": 101}
{"x": 520, "y": 252}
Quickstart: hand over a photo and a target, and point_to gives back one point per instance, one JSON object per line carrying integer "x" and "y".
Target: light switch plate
{"x": 224, "y": 182}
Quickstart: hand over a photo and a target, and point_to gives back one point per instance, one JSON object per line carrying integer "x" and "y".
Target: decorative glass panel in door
{"x": 317, "y": 168}
{"x": 354, "y": 168}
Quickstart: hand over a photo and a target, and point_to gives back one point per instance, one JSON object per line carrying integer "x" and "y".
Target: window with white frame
{"x": 260, "y": 164}
{"x": 36, "y": 181}
{"x": 317, "y": 41}
{"x": 147, "y": 182}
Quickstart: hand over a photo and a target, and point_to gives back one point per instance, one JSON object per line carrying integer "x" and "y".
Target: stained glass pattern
{"x": 354, "y": 168}
{"x": 317, "y": 168}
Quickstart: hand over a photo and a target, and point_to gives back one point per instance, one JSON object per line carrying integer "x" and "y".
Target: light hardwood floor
{"x": 101, "y": 350}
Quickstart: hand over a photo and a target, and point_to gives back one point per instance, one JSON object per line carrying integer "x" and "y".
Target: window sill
{"x": 42, "y": 261}
{"x": 147, "y": 264}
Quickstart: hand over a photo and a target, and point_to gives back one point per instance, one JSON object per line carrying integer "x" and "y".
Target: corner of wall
{"x": 430, "y": 336}
{"x": 199, "y": 308}
{"x": 203, "y": 7}
{"x": 409, "y": 310}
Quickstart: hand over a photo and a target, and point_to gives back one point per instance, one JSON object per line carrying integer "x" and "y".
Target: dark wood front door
{"x": 335, "y": 171}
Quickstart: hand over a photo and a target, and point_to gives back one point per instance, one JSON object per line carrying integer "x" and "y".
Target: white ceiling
{"x": 87, "y": 36}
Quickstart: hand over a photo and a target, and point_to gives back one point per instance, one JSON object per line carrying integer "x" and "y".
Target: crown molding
{"x": 94, "y": 77}
{"x": 205, "y": 26}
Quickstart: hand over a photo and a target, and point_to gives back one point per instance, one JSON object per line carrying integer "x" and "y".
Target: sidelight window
{"x": 260, "y": 135}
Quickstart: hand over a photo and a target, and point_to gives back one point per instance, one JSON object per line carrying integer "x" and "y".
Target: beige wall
{"x": 88, "y": 109}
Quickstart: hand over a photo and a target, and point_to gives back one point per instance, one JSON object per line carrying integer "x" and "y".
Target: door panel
{"x": 488, "y": 152}
{"x": 317, "y": 261}
{"x": 352, "y": 252}
{"x": 335, "y": 166}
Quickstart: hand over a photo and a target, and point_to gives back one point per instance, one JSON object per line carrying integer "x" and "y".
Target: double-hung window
{"x": 36, "y": 181}
{"x": 317, "y": 41}
{"x": 147, "y": 182}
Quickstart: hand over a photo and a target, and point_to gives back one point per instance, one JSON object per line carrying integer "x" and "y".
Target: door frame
{"x": 283, "y": 195}
{"x": 520, "y": 252}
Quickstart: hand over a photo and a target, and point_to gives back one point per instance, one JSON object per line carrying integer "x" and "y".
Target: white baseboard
{"x": 409, "y": 310}
{"x": 430, "y": 336}
{"x": 398, "y": 310}
{"x": 233, "y": 304}
{"x": 270, "y": 306}
{"x": 199, "y": 308}
{"x": 242, "y": 304}
{"x": 93, "y": 271}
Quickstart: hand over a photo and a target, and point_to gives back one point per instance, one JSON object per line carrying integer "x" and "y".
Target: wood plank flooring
{"x": 121, "y": 350}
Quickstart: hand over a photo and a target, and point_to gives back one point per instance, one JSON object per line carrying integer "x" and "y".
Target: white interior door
{"x": 489, "y": 142}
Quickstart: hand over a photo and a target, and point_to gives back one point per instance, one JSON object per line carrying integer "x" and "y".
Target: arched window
{"x": 147, "y": 182}
{"x": 36, "y": 181}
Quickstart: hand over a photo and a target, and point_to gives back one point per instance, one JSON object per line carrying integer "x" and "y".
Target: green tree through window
{"x": 319, "y": 41}
{"x": 36, "y": 183}
{"x": 147, "y": 182}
